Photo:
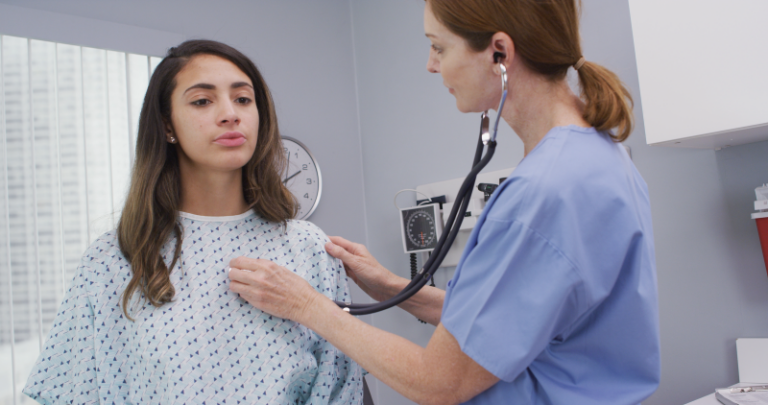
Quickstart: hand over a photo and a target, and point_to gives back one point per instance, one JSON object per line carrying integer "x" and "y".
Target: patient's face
{"x": 214, "y": 115}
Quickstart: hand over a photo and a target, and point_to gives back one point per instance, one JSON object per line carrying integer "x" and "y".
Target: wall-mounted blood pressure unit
{"x": 421, "y": 227}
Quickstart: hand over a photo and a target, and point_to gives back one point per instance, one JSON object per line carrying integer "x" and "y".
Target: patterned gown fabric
{"x": 208, "y": 346}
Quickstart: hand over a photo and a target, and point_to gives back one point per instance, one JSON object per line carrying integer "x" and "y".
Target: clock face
{"x": 302, "y": 176}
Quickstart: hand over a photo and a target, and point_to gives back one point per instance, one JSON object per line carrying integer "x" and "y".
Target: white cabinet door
{"x": 703, "y": 70}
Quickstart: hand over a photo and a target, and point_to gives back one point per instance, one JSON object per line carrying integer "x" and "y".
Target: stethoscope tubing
{"x": 453, "y": 224}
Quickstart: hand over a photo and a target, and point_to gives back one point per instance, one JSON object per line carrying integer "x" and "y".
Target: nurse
{"x": 554, "y": 300}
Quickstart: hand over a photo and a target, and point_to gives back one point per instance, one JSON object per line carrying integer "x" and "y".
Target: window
{"x": 68, "y": 119}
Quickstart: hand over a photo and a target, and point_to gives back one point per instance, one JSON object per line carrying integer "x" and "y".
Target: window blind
{"x": 68, "y": 121}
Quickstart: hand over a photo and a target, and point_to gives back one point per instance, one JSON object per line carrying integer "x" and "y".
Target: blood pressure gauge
{"x": 302, "y": 176}
{"x": 421, "y": 227}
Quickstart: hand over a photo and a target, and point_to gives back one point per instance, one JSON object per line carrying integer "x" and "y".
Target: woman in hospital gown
{"x": 209, "y": 158}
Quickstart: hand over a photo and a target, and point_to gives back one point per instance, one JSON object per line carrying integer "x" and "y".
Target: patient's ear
{"x": 169, "y": 137}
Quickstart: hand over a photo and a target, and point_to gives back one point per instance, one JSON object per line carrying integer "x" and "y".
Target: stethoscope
{"x": 453, "y": 224}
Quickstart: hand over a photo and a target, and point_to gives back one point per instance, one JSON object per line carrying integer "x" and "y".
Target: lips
{"x": 230, "y": 139}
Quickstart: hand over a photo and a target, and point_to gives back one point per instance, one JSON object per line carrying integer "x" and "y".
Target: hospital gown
{"x": 207, "y": 346}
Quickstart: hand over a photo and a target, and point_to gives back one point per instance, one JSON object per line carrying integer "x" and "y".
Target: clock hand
{"x": 292, "y": 176}
{"x": 287, "y": 165}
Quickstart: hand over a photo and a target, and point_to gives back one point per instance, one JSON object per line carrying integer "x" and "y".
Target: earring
{"x": 172, "y": 140}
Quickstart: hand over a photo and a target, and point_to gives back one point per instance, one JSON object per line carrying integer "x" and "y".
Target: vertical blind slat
{"x": 85, "y": 150}
{"x": 131, "y": 126}
{"x": 60, "y": 188}
{"x": 35, "y": 215}
{"x": 109, "y": 141}
{"x": 120, "y": 144}
{"x": 12, "y": 337}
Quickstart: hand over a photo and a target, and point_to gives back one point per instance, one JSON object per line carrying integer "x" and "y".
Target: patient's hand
{"x": 272, "y": 288}
{"x": 364, "y": 269}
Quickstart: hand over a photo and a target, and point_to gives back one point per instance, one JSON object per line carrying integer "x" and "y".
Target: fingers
{"x": 351, "y": 247}
{"x": 241, "y": 276}
{"x": 337, "y": 251}
{"x": 237, "y": 287}
{"x": 351, "y": 274}
{"x": 247, "y": 263}
{"x": 339, "y": 240}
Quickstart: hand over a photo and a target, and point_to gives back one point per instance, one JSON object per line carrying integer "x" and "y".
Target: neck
{"x": 535, "y": 105}
{"x": 211, "y": 193}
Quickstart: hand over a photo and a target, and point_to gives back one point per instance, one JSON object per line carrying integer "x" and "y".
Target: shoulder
{"x": 580, "y": 192}
{"x": 103, "y": 263}
{"x": 571, "y": 168}
{"x": 306, "y": 229}
{"x": 104, "y": 250}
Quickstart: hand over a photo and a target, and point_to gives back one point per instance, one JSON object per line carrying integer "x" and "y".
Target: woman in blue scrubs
{"x": 554, "y": 300}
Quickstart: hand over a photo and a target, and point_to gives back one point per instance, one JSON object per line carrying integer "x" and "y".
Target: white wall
{"x": 712, "y": 282}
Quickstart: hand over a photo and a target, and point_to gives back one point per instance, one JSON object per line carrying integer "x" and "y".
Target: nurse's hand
{"x": 364, "y": 269}
{"x": 272, "y": 288}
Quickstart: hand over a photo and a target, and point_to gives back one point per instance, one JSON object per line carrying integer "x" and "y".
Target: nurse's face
{"x": 467, "y": 74}
{"x": 214, "y": 115}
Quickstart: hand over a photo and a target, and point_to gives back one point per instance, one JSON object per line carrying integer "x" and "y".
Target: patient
{"x": 149, "y": 318}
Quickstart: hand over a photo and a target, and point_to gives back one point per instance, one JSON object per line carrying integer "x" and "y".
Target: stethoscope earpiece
{"x": 504, "y": 87}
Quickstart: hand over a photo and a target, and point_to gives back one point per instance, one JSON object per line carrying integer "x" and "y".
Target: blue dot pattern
{"x": 207, "y": 346}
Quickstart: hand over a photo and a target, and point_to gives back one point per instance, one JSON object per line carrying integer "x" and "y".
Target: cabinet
{"x": 702, "y": 71}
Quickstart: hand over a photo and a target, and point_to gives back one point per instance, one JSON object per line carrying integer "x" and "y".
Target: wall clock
{"x": 302, "y": 176}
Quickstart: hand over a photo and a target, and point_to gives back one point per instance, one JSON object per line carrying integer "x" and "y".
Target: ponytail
{"x": 608, "y": 102}
{"x": 546, "y": 37}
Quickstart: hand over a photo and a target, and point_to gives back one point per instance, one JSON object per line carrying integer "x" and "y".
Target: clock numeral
{"x": 300, "y": 166}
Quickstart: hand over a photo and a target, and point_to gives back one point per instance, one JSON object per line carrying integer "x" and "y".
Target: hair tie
{"x": 580, "y": 63}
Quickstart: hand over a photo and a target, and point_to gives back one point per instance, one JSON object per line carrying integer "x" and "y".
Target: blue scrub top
{"x": 555, "y": 293}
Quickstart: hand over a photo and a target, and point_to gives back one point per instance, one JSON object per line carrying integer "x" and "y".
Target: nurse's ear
{"x": 501, "y": 50}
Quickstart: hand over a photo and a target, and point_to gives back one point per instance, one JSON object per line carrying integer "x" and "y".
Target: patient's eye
{"x": 243, "y": 100}
{"x": 201, "y": 102}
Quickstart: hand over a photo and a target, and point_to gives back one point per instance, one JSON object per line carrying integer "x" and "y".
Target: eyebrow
{"x": 208, "y": 86}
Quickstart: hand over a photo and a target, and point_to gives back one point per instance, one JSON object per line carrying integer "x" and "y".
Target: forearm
{"x": 397, "y": 362}
{"x": 426, "y": 305}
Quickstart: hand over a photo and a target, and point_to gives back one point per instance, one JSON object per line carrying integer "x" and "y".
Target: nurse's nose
{"x": 433, "y": 66}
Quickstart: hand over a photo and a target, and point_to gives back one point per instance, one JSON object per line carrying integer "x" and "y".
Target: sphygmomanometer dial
{"x": 302, "y": 176}
{"x": 421, "y": 228}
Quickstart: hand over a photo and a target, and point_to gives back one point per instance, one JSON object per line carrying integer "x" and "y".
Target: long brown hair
{"x": 546, "y": 37}
{"x": 150, "y": 216}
